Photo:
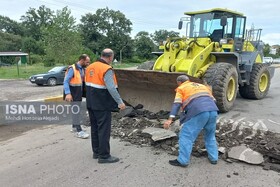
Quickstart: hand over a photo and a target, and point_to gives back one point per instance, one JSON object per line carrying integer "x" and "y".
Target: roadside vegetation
{"x": 26, "y": 70}
{"x": 52, "y": 37}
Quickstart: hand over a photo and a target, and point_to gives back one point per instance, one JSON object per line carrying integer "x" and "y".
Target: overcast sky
{"x": 151, "y": 15}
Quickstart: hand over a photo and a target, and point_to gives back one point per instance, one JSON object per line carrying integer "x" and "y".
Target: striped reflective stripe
{"x": 177, "y": 100}
{"x": 186, "y": 102}
{"x": 97, "y": 85}
{"x": 75, "y": 84}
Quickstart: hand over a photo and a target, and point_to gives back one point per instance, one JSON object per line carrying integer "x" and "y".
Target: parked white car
{"x": 267, "y": 60}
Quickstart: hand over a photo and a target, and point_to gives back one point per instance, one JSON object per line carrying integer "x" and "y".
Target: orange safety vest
{"x": 188, "y": 91}
{"x": 76, "y": 79}
{"x": 95, "y": 75}
{"x": 98, "y": 96}
{"x": 75, "y": 84}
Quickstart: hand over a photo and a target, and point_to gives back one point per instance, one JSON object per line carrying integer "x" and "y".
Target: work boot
{"x": 177, "y": 163}
{"x": 214, "y": 162}
{"x": 111, "y": 159}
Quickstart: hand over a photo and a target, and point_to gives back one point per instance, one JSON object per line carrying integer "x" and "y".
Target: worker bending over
{"x": 199, "y": 111}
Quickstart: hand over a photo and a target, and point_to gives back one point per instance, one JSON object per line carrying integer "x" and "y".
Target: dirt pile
{"x": 129, "y": 128}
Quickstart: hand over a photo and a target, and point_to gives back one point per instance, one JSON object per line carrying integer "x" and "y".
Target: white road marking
{"x": 241, "y": 124}
{"x": 273, "y": 122}
{"x": 234, "y": 126}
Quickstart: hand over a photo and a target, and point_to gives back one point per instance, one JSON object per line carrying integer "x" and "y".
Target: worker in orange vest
{"x": 199, "y": 111}
{"x": 73, "y": 90}
{"x": 102, "y": 98}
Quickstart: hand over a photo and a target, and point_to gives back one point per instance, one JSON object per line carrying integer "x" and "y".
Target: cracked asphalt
{"x": 52, "y": 156}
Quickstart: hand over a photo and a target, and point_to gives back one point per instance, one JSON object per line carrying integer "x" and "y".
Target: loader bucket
{"x": 153, "y": 89}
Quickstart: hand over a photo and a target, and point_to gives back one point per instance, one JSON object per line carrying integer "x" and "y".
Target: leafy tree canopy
{"x": 10, "y": 26}
{"x": 161, "y": 35}
{"x": 34, "y": 20}
{"x": 62, "y": 40}
{"x": 144, "y": 45}
{"x": 106, "y": 28}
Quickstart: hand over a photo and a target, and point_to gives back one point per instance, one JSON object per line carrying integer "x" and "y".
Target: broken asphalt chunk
{"x": 158, "y": 133}
{"x": 245, "y": 154}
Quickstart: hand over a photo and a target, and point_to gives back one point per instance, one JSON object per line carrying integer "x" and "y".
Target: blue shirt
{"x": 69, "y": 76}
{"x": 195, "y": 107}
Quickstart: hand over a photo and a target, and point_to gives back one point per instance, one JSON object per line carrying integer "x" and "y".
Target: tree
{"x": 30, "y": 45}
{"x": 63, "y": 42}
{"x": 10, "y": 42}
{"x": 278, "y": 52}
{"x": 34, "y": 20}
{"x": 161, "y": 35}
{"x": 144, "y": 45}
{"x": 10, "y": 26}
{"x": 106, "y": 28}
{"x": 266, "y": 50}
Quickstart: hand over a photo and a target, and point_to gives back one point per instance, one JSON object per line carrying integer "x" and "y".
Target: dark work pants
{"x": 76, "y": 118}
{"x": 100, "y": 132}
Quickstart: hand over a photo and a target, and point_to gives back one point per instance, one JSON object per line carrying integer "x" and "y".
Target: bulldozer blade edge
{"x": 155, "y": 90}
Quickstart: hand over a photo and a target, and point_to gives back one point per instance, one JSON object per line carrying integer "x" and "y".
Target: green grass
{"x": 25, "y": 71}
{"x": 125, "y": 65}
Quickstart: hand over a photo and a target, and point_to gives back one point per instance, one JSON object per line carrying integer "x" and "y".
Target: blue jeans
{"x": 190, "y": 131}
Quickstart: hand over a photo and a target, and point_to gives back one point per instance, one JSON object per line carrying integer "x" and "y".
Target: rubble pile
{"x": 130, "y": 129}
{"x": 236, "y": 141}
{"x": 266, "y": 143}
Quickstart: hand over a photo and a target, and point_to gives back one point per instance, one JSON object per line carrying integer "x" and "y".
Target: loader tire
{"x": 223, "y": 79}
{"x": 146, "y": 65}
{"x": 259, "y": 83}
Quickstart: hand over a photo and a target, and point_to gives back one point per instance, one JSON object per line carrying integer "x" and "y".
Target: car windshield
{"x": 55, "y": 69}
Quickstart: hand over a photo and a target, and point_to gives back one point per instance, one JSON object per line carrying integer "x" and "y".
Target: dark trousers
{"x": 77, "y": 127}
{"x": 76, "y": 118}
{"x": 100, "y": 132}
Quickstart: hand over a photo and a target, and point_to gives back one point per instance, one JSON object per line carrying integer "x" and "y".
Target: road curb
{"x": 58, "y": 98}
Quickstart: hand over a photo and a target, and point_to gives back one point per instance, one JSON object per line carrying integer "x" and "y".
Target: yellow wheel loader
{"x": 217, "y": 50}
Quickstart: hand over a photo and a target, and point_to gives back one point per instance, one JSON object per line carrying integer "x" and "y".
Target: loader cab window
{"x": 239, "y": 29}
{"x": 228, "y": 28}
{"x": 209, "y": 25}
{"x": 203, "y": 25}
{"x": 200, "y": 24}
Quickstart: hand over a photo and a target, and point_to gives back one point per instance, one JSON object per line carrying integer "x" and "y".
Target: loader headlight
{"x": 223, "y": 41}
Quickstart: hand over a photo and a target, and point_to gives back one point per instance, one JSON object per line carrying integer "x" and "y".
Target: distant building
{"x": 274, "y": 49}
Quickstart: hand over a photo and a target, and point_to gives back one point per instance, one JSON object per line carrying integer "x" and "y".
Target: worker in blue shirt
{"x": 73, "y": 90}
{"x": 199, "y": 111}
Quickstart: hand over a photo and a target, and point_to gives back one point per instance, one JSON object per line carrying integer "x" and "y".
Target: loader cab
{"x": 220, "y": 25}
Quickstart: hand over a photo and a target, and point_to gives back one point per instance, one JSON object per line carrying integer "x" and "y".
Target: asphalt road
{"x": 263, "y": 114}
{"x": 23, "y": 90}
{"x": 52, "y": 156}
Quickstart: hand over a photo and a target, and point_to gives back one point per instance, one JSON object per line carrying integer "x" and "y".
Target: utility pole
{"x": 122, "y": 51}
